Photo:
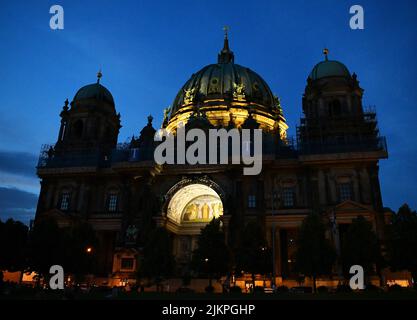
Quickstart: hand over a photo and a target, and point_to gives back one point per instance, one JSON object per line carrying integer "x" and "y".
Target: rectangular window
{"x": 252, "y": 201}
{"x": 112, "y": 202}
{"x": 126, "y": 264}
{"x": 65, "y": 200}
{"x": 345, "y": 192}
{"x": 288, "y": 197}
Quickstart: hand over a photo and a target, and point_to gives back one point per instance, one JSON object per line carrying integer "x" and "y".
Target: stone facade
{"x": 121, "y": 191}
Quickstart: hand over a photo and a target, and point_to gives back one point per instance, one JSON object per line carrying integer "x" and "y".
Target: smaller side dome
{"x": 94, "y": 91}
{"x": 329, "y": 68}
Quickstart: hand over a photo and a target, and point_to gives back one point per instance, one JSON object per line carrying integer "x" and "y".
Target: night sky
{"x": 147, "y": 50}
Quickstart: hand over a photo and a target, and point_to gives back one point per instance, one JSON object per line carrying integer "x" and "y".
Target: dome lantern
{"x": 99, "y": 75}
{"x": 226, "y": 55}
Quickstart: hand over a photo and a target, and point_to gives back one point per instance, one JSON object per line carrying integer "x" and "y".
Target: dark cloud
{"x": 20, "y": 163}
{"x": 17, "y": 204}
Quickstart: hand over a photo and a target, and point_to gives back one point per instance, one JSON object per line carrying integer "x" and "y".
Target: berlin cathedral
{"x": 330, "y": 167}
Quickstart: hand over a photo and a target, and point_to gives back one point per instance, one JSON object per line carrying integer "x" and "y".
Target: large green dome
{"x": 226, "y": 94}
{"x": 218, "y": 82}
{"x": 222, "y": 84}
{"x": 329, "y": 68}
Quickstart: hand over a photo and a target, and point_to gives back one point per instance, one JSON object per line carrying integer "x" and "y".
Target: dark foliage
{"x": 315, "y": 255}
{"x": 211, "y": 258}
{"x": 253, "y": 255}
{"x": 360, "y": 247}
{"x": 158, "y": 262}
{"x": 402, "y": 241}
{"x": 13, "y": 245}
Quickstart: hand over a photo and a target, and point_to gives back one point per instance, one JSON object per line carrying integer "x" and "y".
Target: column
{"x": 80, "y": 198}
{"x": 336, "y": 240}
{"x": 61, "y": 130}
{"x": 359, "y": 182}
{"x": 225, "y": 219}
{"x": 322, "y": 187}
{"x": 278, "y": 268}
{"x": 356, "y": 187}
{"x": 42, "y": 198}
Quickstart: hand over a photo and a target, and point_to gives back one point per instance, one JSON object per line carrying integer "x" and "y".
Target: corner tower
{"x": 333, "y": 110}
{"x": 90, "y": 123}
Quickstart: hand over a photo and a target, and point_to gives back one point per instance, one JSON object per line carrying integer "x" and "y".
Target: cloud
{"x": 21, "y": 163}
{"x": 17, "y": 204}
{"x": 15, "y": 198}
{"x": 14, "y": 181}
{"x": 18, "y": 171}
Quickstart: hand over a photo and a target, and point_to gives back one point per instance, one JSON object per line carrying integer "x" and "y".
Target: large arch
{"x": 195, "y": 202}
{"x": 190, "y": 205}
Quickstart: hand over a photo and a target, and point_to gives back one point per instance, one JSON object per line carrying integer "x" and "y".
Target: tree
{"x": 315, "y": 255}
{"x": 45, "y": 247}
{"x": 13, "y": 245}
{"x": 402, "y": 241}
{"x": 158, "y": 262}
{"x": 79, "y": 243}
{"x": 360, "y": 246}
{"x": 212, "y": 255}
{"x": 253, "y": 255}
{"x": 72, "y": 247}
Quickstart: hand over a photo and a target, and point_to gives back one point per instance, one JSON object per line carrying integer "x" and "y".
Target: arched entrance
{"x": 190, "y": 206}
{"x": 194, "y": 203}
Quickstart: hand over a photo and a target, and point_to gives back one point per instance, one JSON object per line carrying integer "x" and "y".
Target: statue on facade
{"x": 131, "y": 233}
{"x": 166, "y": 114}
{"x": 51, "y": 152}
{"x": 189, "y": 95}
{"x": 239, "y": 91}
{"x": 277, "y": 104}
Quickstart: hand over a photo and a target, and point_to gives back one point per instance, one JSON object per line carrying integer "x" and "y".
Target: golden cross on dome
{"x": 226, "y": 30}
{"x": 325, "y": 52}
{"x": 99, "y": 75}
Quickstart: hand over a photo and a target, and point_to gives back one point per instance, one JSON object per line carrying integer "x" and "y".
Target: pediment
{"x": 349, "y": 206}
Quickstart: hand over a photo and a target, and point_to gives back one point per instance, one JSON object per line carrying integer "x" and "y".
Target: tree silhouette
{"x": 158, "y": 262}
{"x": 402, "y": 241}
{"x": 315, "y": 255}
{"x": 68, "y": 247}
{"x": 212, "y": 255}
{"x": 45, "y": 247}
{"x": 79, "y": 249}
{"x": 253, "y": 255}
{"x": 360, "y": 246}
{"x": 13, "y": 245}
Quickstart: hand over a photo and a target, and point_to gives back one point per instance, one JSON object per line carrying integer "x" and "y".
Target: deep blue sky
{"x": 148, "y": 49}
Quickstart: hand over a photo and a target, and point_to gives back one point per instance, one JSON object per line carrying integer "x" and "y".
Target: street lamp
{"x": 89, "y": 249}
